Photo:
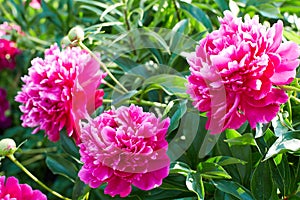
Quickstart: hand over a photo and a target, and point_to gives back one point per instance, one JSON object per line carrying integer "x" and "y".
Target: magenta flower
{"x": 124, "y": 146}
{"x": 236, "y": 71}
{"x": 36, "y": 4}
{"x": 11, "y": 189}
{"x": 8, "y": 53}
{"x": 60, "y": 90}
{"x": 4, "y": 106}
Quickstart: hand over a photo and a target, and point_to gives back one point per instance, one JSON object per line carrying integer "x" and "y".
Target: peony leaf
{"x": 261, "y": 182}
{"x": 180, "y": 168}
{"x": 225, "y": 160}
{"x": 59, "y": 165}
{"x": 195, "y": 184}
{"x": 233, "y": 188}
{"x": 212, "y": 171}
{"x": 245, "y": 139}
{"x": 288, "y": 142}
{"x": 198, "y": 14}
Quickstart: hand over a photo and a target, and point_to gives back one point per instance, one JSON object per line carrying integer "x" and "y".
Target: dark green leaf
{"x": 288, "y": 142}
{"x": 212, "y": 171}
{"x": 197, "y": 13}
{"x": 261, "y": 182}
{"x": 69, "y": 146}
{"x": 234, "y": 189}
{"x": 195, "y": 184}
{"x": 180, "y": 168}
{"x": 59, "y": 165}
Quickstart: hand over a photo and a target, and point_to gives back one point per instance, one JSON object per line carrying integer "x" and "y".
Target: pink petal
{"x": 117, "y": 186}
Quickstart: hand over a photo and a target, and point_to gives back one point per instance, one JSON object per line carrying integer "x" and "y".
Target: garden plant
{"x": 149, "y": 100}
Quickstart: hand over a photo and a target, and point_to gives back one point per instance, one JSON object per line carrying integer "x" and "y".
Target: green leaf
{"x": 288, "y": 142}
{"x": 198, "y": 14}
{"x": 180, "y": 168}
{"x": 233, "y": 188}
{"x": 261, "y": 182}
{"x": 125, "y": 63}
{"x": 212, "y": 171}
{"x": 171, "y": 84}
{"x": 68, "y": 146}
{"x": 80, "y": 189}
{"x": 269, "y": 10}
{"x": 195, "y": 184}
{"x": 109, "y": 9}
{"x": 279, "y": 125}
{"x": 245, "y": 139}
{"x": 59, "y": 165}
{"x": 175, "y": 113}
{"x": 120, "y": 99}
{"x": 225, "y": 160}
{"x": 222, "y": 4}
{"x": 292, "y": 36}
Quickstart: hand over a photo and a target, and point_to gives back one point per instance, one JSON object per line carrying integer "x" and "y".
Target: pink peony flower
{"x": 4, "y": 106}
{"x": 11, "y": 189}
{"x": 236, "y": 71}
{"x": 36, "y": 4}
{"x": 59, "y": 90}
{"x": 8, "y": 53}
{"x": 124, "y": 146}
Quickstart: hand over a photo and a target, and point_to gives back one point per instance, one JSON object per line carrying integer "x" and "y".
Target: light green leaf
{"x": 225, "y": 160}
{"x": 245, "y": 139}
{"x": 180, "y": 168}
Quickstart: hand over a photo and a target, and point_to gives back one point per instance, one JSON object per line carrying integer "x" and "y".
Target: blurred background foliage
{"x": 156, "y": 35}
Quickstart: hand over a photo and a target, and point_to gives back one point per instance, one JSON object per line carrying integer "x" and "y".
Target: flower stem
{"x": 288, "y": 87}
{"x": 14, "y": 160}
{"x": 103, "y": 66}
{"x": 140, "y": 102}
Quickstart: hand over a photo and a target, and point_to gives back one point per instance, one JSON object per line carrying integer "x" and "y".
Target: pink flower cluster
{"x": 8, "y": 48}
{"x": 60, "y": 90}
{"x": 36, "y": 4}
{"x": 124, "y": 146}
{"x": 4, "y": 105}
{"x": 236, "y": 71}
{"x": 11, "y": 189}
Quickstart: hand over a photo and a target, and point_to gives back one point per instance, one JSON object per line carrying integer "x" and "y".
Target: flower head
{"x": 8, "y": 52}
{"x": 4, "y": 106}
{"x": 36, "y": 4}
{"x": 11, "y": 189}
{"x": 235, "y": 72}
{"x": 60, "y": 90}
{"x": 124, "y": 146}
{"x": 7, "y": 28}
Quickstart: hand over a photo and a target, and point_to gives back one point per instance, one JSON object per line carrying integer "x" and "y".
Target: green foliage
{"x": 144, "y": 44}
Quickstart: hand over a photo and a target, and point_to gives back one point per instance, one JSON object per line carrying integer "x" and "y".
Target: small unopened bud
{"x": 76, "y": 34}
{"x": 7, "y": 147}
{"x": 65, "y": 42}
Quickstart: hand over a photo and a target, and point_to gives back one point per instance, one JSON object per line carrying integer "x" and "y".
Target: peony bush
{"x": 151, "y": 100}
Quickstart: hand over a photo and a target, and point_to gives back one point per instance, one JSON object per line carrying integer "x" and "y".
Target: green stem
{"x": 14, "y": 160}
{"x": 288, "y": 87}
{"x": 140, "y": 102}
{"x": 103, "y": 66}
{"x": 295, "y": 99}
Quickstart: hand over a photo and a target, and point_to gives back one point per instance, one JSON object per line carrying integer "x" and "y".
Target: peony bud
{"x": 7, "y": 147}
{"x": 76, "y": 33}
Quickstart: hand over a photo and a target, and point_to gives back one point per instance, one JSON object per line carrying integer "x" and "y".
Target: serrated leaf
{"x": 195, "y": 184}
{"x": 233, "y": 188}
{"x": 212, "y": 171}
